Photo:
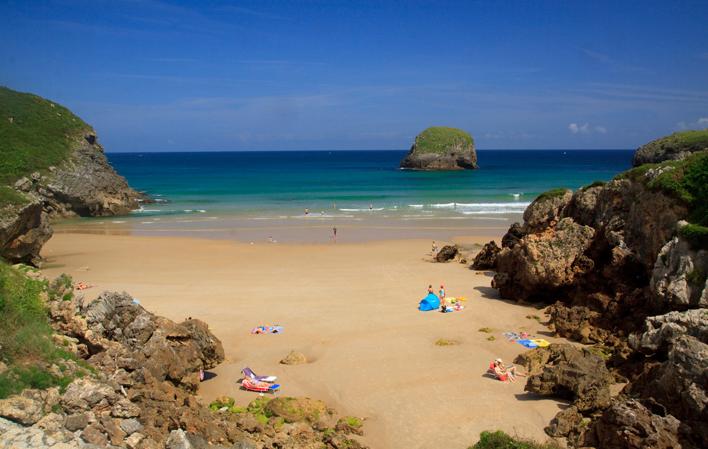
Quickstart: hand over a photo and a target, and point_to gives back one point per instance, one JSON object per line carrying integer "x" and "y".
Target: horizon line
{"x": 362, "y": 150}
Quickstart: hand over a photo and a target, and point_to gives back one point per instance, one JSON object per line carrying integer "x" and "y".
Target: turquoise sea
{"x": 267, "y": 184}
{"x": 300, "y": 196}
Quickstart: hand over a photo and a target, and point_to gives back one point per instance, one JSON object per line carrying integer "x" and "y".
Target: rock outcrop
{"x": 621, "y": 269}
{"x": 447, "y": 253}
{"x": 486, "y": 258}
{"x": 139, "y": 391}
{"x": 441, "y": 148}
{"x": 24, "y": 229}
{"x": 674, "y": 147}
{"x": 84, "y": 184}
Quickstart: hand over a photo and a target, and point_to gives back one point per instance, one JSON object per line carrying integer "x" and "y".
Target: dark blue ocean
{"x": 284, "y": 184}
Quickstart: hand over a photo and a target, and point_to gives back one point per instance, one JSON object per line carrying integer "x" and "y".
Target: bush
{"x": 439, "y": 139}
{"x": 500, "y": 440}
{"x": 549, "y": 194}
{"x": 695, "y": 235}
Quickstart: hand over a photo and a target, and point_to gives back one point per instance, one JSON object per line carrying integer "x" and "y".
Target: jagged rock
{"x": 179, "y": 439}
{"x": 678, "y": 279}
{"x": 546, "y": 210}
{"x": 133, "y": 441}
{"x": 543, "y": 263}
{"x": 630, "y": 425}
{"x": 176, "y": 352}
{"x": 131, "y": 426}
{"x": 513, "y": 235}
{"x": 564, "y": 422}
{"x": 294, "y": 358}
{"x": 565, "y": 371}
{"x": 24, "y": 229}
{"x": 77, "y": 421}
{"x": 28, "y": 407}
{"x": 85, "y": 184}
{"x": 441, "y": 148}
{"x": 86, "y": 393}
{"x": 673, "y": 147}
{"x": 486, "y": 258}
{"x": 679, "y": 382}
{"x": 447, "y": 253}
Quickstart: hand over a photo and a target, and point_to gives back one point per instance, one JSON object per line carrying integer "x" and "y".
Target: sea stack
{"x": 441, "y": 148}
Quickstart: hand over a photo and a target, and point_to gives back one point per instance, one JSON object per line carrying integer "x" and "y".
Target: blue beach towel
{"x": 527, "y": 343}
{"x": 430, "y": 302}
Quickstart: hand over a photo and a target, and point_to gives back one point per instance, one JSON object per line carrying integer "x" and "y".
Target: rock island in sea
{"x": 441, "y": 148}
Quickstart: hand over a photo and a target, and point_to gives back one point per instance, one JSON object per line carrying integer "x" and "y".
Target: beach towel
{"x": 540, "y": 342}
{"x": 430, "y": 302}
{"x": 267, "y": 330}
{"x": 527, "y": 343}
{"x": 260, "y": 387}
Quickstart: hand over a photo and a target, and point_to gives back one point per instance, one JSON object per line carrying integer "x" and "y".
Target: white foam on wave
{"x": 416, "y": 206}
{"x": 363, "y": 210}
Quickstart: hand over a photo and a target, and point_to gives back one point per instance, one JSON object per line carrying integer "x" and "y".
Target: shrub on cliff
{"x": 26, "y": 345}
{"x": 35, "y": 134}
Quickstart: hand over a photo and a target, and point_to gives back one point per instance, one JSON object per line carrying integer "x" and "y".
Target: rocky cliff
{"x": 441, "y": 148}
{"x": 624, "y": 265}
{"x": 674, "y": 147}
{"x": 51, "y": 165}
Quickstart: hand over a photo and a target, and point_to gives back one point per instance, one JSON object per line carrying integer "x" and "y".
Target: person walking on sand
{"x": 334, "y": 234}
{"x": 434, "y": 249}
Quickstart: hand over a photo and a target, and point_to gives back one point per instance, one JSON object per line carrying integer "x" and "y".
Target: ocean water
{"x": 263, "y": 185}
{"x": 264, "y": 196}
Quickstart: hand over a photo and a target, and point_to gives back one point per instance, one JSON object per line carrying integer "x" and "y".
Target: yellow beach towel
{"x": 540, "y": 342}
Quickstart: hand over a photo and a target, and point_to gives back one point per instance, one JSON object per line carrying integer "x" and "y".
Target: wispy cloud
{"x": 701, "y": 123}
{"x": 585, "y": 128}
{"x": 610, "y": 62}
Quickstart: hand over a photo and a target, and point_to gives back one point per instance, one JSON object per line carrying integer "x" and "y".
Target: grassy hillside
{"x": 438, "y": 139}
{"x": 34, "y": 134}
{"x": 26, "y": 345}
{"x": 684, "y": 139}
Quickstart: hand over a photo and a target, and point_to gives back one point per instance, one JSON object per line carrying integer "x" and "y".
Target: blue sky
{"x": 158, "y": 75}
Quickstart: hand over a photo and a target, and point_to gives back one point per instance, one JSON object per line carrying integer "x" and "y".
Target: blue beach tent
{"x": 430, "y": 302}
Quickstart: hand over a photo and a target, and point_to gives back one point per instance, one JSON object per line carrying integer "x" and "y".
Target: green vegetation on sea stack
{"x": 686, "y": 139}
{"x": 10, "y": 196}
{"x": 439, "y": 139}
{"x": 500, "y": 440}
{"x": 26, "y": 345}
{"x": 34, "y": 134}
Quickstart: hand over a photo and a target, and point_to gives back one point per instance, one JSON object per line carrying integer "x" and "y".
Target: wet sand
{"x": 351, "y": 309}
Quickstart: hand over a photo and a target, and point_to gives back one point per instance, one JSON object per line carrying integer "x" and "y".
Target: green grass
{"x": 695, "y": 235}
{"x": 500, "y": 440}
{"x": 34, "y": 134}
{"x": 689, "y": 139}
{"x": 439, "y": 139}
{"x": 26, "y": 336}
{"x": 550, "y": 194}
{"x": 11, "y": 197}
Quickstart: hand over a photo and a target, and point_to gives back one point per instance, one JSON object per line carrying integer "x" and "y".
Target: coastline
{"x": 350, "y": 308}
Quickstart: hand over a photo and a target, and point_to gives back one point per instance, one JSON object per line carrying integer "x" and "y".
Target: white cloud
{"x": 586, "y": 128}
{"x": 579, "y": 129}
{"x": 701, "y": 123}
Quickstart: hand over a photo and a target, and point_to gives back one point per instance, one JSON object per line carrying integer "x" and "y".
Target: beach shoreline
{"x": 351, "y": 309}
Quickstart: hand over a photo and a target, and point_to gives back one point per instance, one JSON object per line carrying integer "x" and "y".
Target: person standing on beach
{"x": 441, "y": 295}
{"x": 434, "y": 249}
{"x": 334, "y": 234}
{"x": 307, "y": 211}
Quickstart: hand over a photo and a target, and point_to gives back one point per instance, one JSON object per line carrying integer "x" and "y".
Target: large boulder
{"x": 169, "y": 351}
{"x": 447, "y": 253}
{"x": 441, "y": 148}
{"x": 629, "y": 424}
{"x": 676, "y": 146}
{"x": 542, "y": 263}
{"x": 486, "y": 258}
{"x": 564, "y": 371}
{"x": 545, "y": 211}
{"x": 24, "y": 229}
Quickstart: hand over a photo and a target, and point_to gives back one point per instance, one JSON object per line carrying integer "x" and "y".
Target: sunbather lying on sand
{"x": 505, "y": 373}
{"x": 82, "y": 286}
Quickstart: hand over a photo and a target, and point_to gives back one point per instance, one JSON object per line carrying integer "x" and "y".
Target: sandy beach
{"x": 351, "y": 309}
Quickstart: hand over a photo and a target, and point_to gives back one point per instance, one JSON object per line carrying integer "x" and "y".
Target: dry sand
{"x": 351, "y": 308}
